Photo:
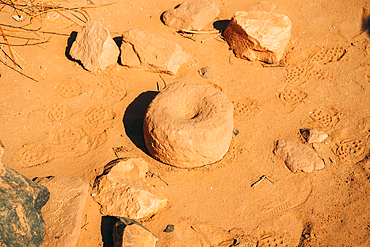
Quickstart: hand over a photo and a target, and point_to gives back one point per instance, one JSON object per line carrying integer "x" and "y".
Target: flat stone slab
{"x": 21, "y": 200}
{"x": 123, "y": 191}
{"x": 95, "y": 47}
{"x": 298, "y": 156}
{"x": 258, "y": 35}
{"x": 64, "y": 210}
{"x": 191, "y": 15}
{"x": 151, "y": 52}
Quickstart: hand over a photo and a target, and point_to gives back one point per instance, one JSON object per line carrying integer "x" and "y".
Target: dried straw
{"x": 35, "y": 10}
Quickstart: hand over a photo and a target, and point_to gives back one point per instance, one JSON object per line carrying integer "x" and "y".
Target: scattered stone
{"x": 188, "y": 125}
{"x": 127, "y": 232}
{"x": 63, "y": 212}
{"x": 298, "y": 156}
{"x": 122, "y": 191}
{"x": 236, "y": 132}
{"x": 312, "y": 135}
{"x": 196, "y": 235}
{"x": 151, "y": 52}
{"x": 94, "y": 47}
{"x": 191, "y": 15}
{"x": 265, "y": 6}
{"x": 21, "y": 200}
{"x": 258, "y": 35}
{"x": 205, "y": 72}
{"x": 169, "y": 228}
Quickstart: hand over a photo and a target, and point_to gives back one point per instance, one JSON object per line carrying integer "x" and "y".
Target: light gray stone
{"x": 64, "y": 210}
{"x": 258, "y": 35}
{"x": 191, "y": 15}
{"x": 151, "y": 52}
{"x": 312, "y": 135}
{"x": 298, "y": 156}
{"x": 124, "y": 192}
{"x": 94, "y": 47}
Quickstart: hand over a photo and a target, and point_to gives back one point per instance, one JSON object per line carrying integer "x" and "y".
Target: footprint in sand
{"x": 296, "y": 74}
{"x": 350, "y": 150}
{"x": 113, "y": 89}
{"x": 97, "y": 120}
{"x": 273, "y": 238}
{"x": 56, "y": 112}
{"x": 244, "y": 107}
{"x": 69, "y": 140}
{"x": 292, "y": 96}
{"x": 284, "y": 232}
{"x": 325, "y": 55}
{"x": 320, "y": 74}
{"x": 70, "y": 88}
{"x": 324, "y": 118}
{"x": 33, "y": 154}
{"x": 288, "y": 193}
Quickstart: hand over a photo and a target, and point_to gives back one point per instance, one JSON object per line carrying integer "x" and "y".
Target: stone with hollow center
{"x": 188, "y": 125}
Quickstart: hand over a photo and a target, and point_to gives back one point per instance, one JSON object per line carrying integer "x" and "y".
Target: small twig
{"x": 18, "y": 71}
{"x": 263, "y": 177}
{"x": 217, "y": 35}
{"x": 7, "y": 42}
{"x": 199, "y": 32}
{"x": 152, "y": 175}
{"x": 86, "y": 223}
{"x": 164, "y": 82}
{"x": 28, "y": 64}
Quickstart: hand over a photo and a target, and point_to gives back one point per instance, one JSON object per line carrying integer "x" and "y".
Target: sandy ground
{"x": 40, "y": 121}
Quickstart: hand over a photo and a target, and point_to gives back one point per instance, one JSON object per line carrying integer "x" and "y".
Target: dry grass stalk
{"x": 21, "y": 10}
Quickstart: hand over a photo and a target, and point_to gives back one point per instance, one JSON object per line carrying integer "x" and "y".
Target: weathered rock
{"x": 191, "y": 15}
{"x": 298, "y": 156}
{"x": 21, "y": 200}
{"x": 127, "y": 233}
{"x": 265, "y": 6}
{"x": 188, "y": 125}
{"x": 148, "y": 51}
{"x": 2, "y": 150}
{"x": 205, "y": 72}
{"x": 63, "y": 212}
{"x": 312, "y": 135}
{"x": 195, "y": 235}
{"x": 258, "y": 35}
{"x": 94, "y": 47}
{"x": 123, "y": 192}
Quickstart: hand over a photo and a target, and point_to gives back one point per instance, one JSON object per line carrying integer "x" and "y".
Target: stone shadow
{"x": 118, "y": 40}
{"x": 106, "y": 228}
{"x": 133, "y": 119}
{"x": 221, "y": 25}
{"x": 70, "y": 41}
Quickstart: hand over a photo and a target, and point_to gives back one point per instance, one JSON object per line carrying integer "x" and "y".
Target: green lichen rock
{"x": 21, "y": 200}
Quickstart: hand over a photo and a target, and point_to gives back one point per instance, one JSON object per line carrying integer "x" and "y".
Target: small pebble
{"x": 205, "y": 72}
{"x": 236, "y": 132}
{"x": 169, "y": 228}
